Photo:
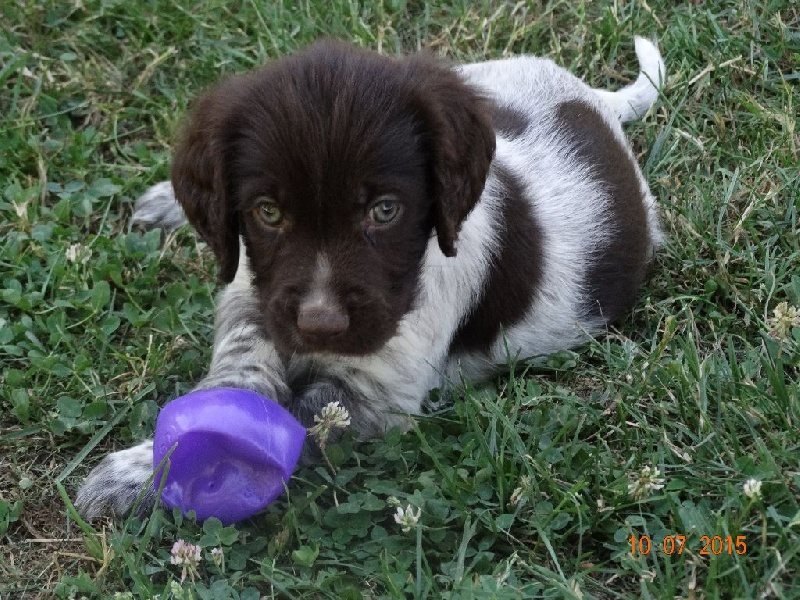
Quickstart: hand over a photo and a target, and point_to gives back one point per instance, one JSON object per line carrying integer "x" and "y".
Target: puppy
{"x": 388, "y": 225}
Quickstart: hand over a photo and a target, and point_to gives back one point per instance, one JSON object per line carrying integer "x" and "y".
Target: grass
{"x": 524, "y": 485}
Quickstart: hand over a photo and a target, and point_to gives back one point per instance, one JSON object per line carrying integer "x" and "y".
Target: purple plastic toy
{"x": 235, "y": 449}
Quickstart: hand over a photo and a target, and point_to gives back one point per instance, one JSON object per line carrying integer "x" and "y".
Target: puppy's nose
{"x": 322, "y": 320}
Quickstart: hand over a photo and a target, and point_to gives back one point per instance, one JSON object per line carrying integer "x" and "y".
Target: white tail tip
{"x": 633, "y": 101}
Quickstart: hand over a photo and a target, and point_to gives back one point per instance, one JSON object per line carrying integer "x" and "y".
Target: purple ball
{"x": 235, "y": 450}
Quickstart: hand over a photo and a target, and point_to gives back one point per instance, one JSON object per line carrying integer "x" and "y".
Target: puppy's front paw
{"x": 308, "y": 404}
{"x": 113, "y": 486}
{"x": 368, "y": 419}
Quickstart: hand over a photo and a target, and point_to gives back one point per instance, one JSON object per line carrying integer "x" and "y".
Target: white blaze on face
{"x": 320, "y": 293}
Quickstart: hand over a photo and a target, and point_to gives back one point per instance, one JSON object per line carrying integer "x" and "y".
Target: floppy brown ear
{"x": 199, "y": 177}
{"x": 461, "y": 138}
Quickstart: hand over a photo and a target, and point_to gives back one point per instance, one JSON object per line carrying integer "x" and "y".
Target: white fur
{"x": 633, "y": 101}
{"x": 320, "y": 293}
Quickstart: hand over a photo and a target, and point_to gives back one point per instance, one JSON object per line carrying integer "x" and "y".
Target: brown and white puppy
{"x": 386, "y": 225}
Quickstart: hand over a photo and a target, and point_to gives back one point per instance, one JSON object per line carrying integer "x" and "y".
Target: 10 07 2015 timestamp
{"x": 710, "y": 545}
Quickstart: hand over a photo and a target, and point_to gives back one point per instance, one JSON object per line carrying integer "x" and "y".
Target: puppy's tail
{"x": 634, "y": 100}
{"x": 157, "y": 208}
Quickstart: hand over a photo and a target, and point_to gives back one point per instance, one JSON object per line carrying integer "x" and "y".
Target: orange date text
{"x": 710, "y": 545}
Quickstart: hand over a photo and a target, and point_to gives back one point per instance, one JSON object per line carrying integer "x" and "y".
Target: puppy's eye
{"x": 384, "y": 211}
{"x": 269, "y": 212}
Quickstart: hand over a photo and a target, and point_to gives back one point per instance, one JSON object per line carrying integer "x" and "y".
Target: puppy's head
{"x": 335, "y": 165}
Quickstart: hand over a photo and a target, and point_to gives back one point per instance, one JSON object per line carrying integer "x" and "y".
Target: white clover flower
{"x": 78, "y": 253}
{"x": 752, "y": 489}
{"x": 188, "y": 556}
{"x": 784, "y": 318}
{"x": 332, "y": 416}
{"x": 184, "y": 553}
{"x": 641, "y": 484}
{"x": 407, "y": 518}
{"x": 336, "y": 414}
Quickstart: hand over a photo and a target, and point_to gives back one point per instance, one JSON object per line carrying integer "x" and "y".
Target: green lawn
{"x": 529, "y": 486}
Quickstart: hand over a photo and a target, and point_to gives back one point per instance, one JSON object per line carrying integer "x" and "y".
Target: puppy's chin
{"x": 343, "y": 345}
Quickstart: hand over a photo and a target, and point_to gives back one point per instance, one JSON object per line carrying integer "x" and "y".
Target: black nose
{"x": 322, "y": 320}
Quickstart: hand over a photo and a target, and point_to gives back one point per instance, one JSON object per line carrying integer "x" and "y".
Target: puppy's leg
{"x": 243, "y": 357}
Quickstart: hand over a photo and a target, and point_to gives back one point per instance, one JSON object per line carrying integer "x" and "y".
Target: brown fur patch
{"x": 618, "y": 268}
{"x": 509, "y": 122}
{"x": 514, "y": 275}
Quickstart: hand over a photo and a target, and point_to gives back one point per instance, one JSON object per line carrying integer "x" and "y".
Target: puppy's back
{"x": 561, "y": 147}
